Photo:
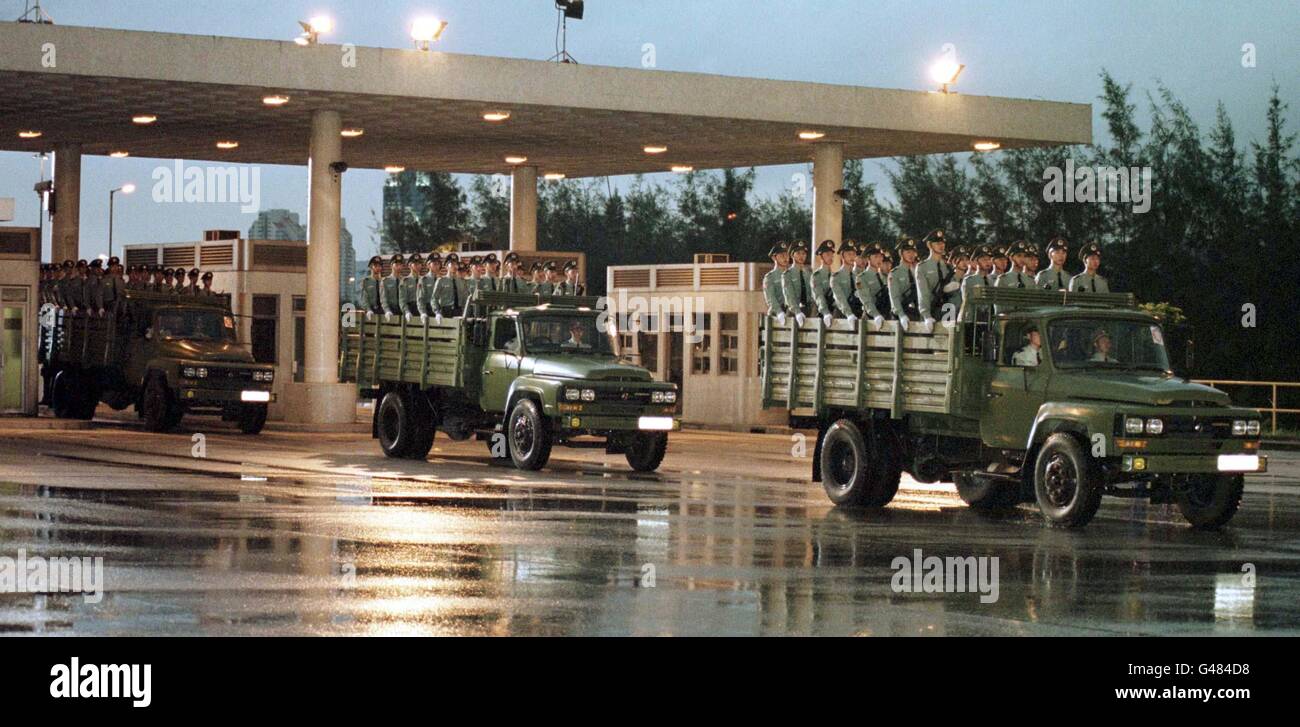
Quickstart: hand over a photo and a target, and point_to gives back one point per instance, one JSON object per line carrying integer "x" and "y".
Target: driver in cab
{"x": 1032, "y": 353}
{"x": 1101, "y": 347}
{"x": 576, "y": 333}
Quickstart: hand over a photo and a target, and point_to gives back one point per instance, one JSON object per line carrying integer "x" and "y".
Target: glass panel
{"x": 11, "y": 343}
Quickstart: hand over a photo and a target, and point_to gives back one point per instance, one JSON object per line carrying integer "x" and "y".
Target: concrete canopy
{"x": 422, "y": 110}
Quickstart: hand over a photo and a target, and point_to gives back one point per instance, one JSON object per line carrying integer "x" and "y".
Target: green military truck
{"x": 522, "y": 372}
{"x": 168, "y": 355}
{"x": 1095, "y": 410}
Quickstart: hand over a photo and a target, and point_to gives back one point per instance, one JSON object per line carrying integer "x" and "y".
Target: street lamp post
{"x": 124, "y": 189}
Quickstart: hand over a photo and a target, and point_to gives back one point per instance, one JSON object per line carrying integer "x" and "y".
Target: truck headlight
{"x": 588, "y": 394}
{"x": 267, "y": 376}
{"x": 1133, "y": 425}
{"x": 670, "y": 397}
{"x": 202, "y": 373}
{"x": 189, "y": 372}
{"x": 571, "y": 394}
{"x": 1252, "y": 427}
{"x": 1238, "y": 427}
{"x": 1155, "y": 426}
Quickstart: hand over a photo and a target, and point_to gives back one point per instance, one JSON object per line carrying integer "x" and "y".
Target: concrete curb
{"x": 1280, "y": 445}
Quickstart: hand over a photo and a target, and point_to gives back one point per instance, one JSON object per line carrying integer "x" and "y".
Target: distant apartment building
{"x": 280, "y": 224}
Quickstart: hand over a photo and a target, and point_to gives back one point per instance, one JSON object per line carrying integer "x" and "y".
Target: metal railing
{"x": 1273, "y": 409}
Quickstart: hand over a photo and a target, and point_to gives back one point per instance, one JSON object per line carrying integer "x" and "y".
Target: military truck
{"x": 1097, "y": 410}
{"x": 168, "y": 355}
{"x": 522, "y": 372}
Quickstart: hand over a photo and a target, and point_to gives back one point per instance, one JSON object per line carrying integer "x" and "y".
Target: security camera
{"x": 841, "y": 194}
{"x": 338, "y": 167}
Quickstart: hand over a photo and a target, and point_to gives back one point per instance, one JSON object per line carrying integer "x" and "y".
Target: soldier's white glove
{"x": 387, "y": 317}
{"x": 853, "y": 320}
{"x": 780, "y": 318}
{"x": 826, "y": 319}
{"x": 424, "y": 319}
{"x": 101, "y": 312}
{"x": 437, "y": 318}
{"x": 950, "y": 287}
{"x": 928, "y": 327}
{"x": 902, "y": 323}
{"x": 879, "y": 321}
{"x": 370, "y": 315}
{"x": 798, "y": 318}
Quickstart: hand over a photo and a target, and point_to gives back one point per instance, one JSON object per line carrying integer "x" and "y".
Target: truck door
{"x": 1014, "y": 392}
{"x": 501, "y": 364}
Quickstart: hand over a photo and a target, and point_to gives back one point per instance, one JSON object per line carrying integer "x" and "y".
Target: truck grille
{"x": 623, "y": 396}
{"x": 223, "y": 374}
{"x": 1206, "y": 427}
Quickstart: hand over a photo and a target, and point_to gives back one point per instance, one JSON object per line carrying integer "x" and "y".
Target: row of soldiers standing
{"x": 876, "y": 283}
{"x": 437, "y": 285}
{"x": 98, "y": 288}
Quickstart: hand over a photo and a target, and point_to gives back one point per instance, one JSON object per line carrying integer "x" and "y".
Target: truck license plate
{"x": 658, "y": 424}
{"x": 254, "y": 396}
{"x": 1238, "y": 462}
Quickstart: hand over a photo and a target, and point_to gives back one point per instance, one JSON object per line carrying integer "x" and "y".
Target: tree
{"x": 491, "y": 213}
{"x": 865, "y": 219}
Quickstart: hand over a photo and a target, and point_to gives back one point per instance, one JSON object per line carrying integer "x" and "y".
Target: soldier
{"x": 191, "y": 286}
{"x": 1089, "y": 281}
{"x": 370, "y": 287}
{"x": 842, "y": 284}
{"x": 1055, "y": 276}
{"x": 113, "y": 287}
{"x": 1001, "y": 261}
{"x": 65, "y": 288}
{"x": 1031, "y": 264}
{"x": 424, "y": 301}
{"x": 571, "y": 286}
{"x": 447, "y": 296}
{"x": 168, "y": 281}
{"x": 546, "y": 286}
{"x": 408, "y": 286}
{"x": 979, "y": 274}
{"x": 823, "y": 298}
{"x": 512, "y": 281}
{"x": 904, "y": 296}
{"x": 493, "y": 272}
{"x": 1016, "y": 277}
{"x": 797, "y": 283}
{"x": 206, "y": 291}
{"x": 934, "y": 279}
{"x": 1032, "y": 353}
{"x": 535, "y": 277}
{"x": 773, "y": 291}
{"x": 960, "y": 260}
{"x": 92, "y": 289}
{"x": 390, "y": 289}
{"x": 872, "y": 285}
{"x": 465, "y": 284}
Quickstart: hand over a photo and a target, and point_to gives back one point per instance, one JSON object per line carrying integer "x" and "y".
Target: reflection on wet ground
{"x": 274, "y": 547}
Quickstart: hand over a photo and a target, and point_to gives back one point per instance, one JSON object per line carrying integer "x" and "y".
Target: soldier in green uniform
{"x": 447, "y": 297}
{"x": 797, "y": 283}
{"x": 1031, "y": 264}
{"x": 168, "y": 281}
{"x": 571, "y": 286}
{"x": 1001, "y": 261}
{"x": 1016, "y": 277}
{"x": 112, "y": 288}
{"x": 206, "y": 291}
{"x": 1089, "y": 281}
{"x": 191, "y": 285}
{"x": 493, "y": 272}
{"x": 409, "y": 284}
{"x": 934, "y": 279}
{"x": 904, "y": 296}
{"x": 92, "y": 288}
{"x": 980, "y": 273}
{"x": 873, "y": 285}
{"x": 842, "y": 284}
{"x": 428, "y": 280}
{"x": 390, "y": 289}
{"x": 959, "y": 257}
{"x": 546, "y": 284}
{"x": 773, "y": 292}
{"x": 370, "y": 286}
{"x": 511, "y": 281}
{"x": 823, "y": 298}
{"x": 1055, "y": 277}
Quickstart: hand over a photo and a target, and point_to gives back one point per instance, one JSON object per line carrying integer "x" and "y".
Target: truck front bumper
{"x": 195, "y": 396}
{"x": 602, "y": 423}
{"x": 1193, "y": 463}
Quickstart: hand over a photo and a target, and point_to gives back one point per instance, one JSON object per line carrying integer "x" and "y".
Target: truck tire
{"x": 1209, "y": 501}
{"x": 425, "y": 422}
{"x": 982, "y": 492}
{"x": 63, "y": 396}
{"x": 1067, "y": 484}
{"x": 646, "y": 450}
{"x": 529, "y": 435}
{"x": 850, "y": 475}
{"x": 396, "y": 430}
{"x": 161, "y": 410}
{"x": 891, "y": 470}
{"x": 252, "y": 417}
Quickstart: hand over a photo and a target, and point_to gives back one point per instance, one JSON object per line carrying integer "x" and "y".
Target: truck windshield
{"x": 569, "y": 333}
{"x": 1091, "y": 343}
{"x": 195, "y": 324}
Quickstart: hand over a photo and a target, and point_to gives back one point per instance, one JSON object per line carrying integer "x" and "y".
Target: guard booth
{"x": 20, "y": 249}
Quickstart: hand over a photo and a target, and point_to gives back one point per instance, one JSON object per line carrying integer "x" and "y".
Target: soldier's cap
{"x": 571, "y": 265}
{"x": 207, "y": 275}
{"x": 535, "y": 267}
{"x": 826, "y": 246}
{"x": 491, "y": 257}
{"x": 452, "y": 257}
{"x": 194, "y": 272}
{"x": 550, "y": 266}
{"x": 511, "y": 257}
{"x": 984, "y": 251}
{"x": 169, "y": 272}
{"x": 935, "y": 236}
{"x": 870, "y": 248}
{"x": 415, "y": 259}
{"x": 463, "y": 268}
{"x": 958, "y": 252}
{"x": 69, "y": 264}
{"x": 848, "y": 246}
{"x": 96, "y": 264}
{"x": 1031, "y": 249}
{"x": 434, "y": 257}
{"x": 1091, "y": 248}
{"x": 114, "y": 260}
{"x": 888, "y": 255}
{"x": 906, "y": 243}
{"x": 1058, "y": 243}
{"x": 1099, "y": 333}
{"x": 798, "y": 245}
{"x": 1019, "y": 247}
{"x": 476, "y": 260}
{"x": 81, "y": 263}
{"x": 397, "y": 258}
{"x": 778, "y": 249}
{"x": 375, "y": 260}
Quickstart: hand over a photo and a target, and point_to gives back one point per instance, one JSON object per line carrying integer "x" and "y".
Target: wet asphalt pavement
{"x": 291, "y": 533}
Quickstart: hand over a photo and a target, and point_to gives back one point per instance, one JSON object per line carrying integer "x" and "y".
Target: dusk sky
{"x": 1047, "y": 50}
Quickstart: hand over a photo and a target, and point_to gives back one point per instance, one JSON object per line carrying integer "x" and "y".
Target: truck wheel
{"x": 529, "y": 435}
{"x": 424, "y": 422}
{"x": 62, "y": 397}
{"x": 646, "y": 450}
{"x": 1066, "y": 483}
{"x": 1209, "y": 501}
{"x": 395, "y": 428}
{"x": 161, "y": 411}
{"x": 890, "y": 471}
{"x": 982, "y": 492}
{"x": 252, "y": 418}
{"x": 849, "y": 476}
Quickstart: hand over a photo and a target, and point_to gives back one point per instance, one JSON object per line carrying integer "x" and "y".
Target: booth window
{"x": 729, "y": 344}
{"x": 702, "y": 348}
{"x": 266, "y": 318}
